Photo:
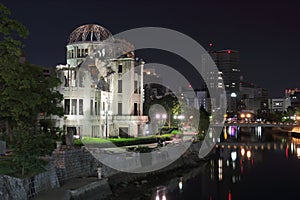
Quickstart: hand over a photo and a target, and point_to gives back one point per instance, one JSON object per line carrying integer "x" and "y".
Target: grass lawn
{"x": 122, "y": 141}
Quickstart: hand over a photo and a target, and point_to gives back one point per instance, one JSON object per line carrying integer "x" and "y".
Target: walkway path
{"x": 60, "y": 193}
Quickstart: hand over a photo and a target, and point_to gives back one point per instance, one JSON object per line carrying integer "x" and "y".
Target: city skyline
{"x": 265, "y": 34}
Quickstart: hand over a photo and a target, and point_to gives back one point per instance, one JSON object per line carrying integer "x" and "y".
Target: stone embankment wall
{"x": 73, "y": 163}
{"x": 12, "y": 188}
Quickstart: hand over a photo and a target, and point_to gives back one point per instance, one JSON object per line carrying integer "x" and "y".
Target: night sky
{"x": 266, "y": 33}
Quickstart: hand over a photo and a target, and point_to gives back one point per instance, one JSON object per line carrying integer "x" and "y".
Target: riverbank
{"x": 126, "y": 186}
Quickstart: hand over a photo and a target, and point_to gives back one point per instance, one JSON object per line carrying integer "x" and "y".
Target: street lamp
{"x": 106, "y": 113}
{"x": 106, "y": 123}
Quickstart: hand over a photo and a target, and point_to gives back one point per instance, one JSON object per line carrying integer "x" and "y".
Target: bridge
{"x": 252, "y": 145}
{"x": 293, "y": 128}
{"x": 261, "y": 124}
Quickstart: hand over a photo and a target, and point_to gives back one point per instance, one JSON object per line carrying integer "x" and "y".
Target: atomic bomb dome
{"x": 89, "y": 33}
{"x": 102, "y": 85}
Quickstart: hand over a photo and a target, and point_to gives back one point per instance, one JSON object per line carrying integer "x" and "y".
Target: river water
{"x": 246, "y": 165}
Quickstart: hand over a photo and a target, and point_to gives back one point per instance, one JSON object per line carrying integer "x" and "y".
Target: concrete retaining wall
{"x": 96, "y": 190}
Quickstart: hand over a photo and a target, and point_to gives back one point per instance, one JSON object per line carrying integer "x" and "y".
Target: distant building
{"x": 153, "y": 87}
{"x": 280, "y": 105}
{"x": 202, "y": 100}
{"x": 294, "y": 95}
{"x": 100, "y": 98}
{"x": 254, "y": 97}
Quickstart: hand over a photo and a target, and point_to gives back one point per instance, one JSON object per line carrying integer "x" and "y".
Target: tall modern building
{"x": 102, "y": 85}
{"x": 227, "y": 78}
{"x": 227, "y": 62}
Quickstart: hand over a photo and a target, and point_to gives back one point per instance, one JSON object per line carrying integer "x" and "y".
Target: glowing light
{"x": 233, "y": 165}
{"x": 228, "y": 51}
{"x": 242, "y": 151}
{"x": 259, "y": 131}
{"x": 233, "y": 155}
{"x": 220, "y": 177}
{"x": 229, "y": 196}
{"x": 225, "y": 135}
{"x": 249, "y": 153}
{"x": 157, "y": 116}
{"x": 242, "y": 115}
{"x": 180, "y": 185}
{"x": 298, "y": 151}
{"x": 220, "y": 163}
{"x": 248, "y": 115}
{"x": 233, "y": 94}
{"x": 233, "y": 179}
{"x": 157, "y": 197}
{"x": 164, "y": 197}
{"x": 164, "y": 116}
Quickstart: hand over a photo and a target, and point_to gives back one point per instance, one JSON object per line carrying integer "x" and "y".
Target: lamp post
{"x": 106, "y": 123}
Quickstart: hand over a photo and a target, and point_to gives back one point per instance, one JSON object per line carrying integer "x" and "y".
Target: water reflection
{"x": 234, "y": 161}
{"x": 161, "y": 193}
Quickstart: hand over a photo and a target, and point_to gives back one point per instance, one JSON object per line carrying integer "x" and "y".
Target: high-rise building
{"x": 227, "y": 62}
{"x": 227, "y": 78}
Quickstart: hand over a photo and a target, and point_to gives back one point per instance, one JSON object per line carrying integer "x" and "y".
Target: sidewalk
{"x": 59, "y": 193}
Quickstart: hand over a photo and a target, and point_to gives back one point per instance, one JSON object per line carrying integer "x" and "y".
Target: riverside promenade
{"x": 83, "y": 183}
{"x": 62, "y": 192}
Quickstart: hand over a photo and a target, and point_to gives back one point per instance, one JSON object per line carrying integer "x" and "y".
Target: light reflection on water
{"x": 240, "y": 169}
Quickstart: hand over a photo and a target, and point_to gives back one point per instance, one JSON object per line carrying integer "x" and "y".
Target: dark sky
{"x": 266, "y": 33}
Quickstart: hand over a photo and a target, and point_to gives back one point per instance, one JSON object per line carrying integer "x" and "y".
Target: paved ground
{"x": 59, "y": 193}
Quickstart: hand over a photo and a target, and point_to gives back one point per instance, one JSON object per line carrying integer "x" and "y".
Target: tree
{"x": 170, "y": 104}
{"x": 11, "y": 31}
{"x": 25, "y": 93}
{"x": 204, "y": 120}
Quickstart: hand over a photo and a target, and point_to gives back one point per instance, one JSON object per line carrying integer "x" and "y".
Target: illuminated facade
{"x": 102, "y": 89}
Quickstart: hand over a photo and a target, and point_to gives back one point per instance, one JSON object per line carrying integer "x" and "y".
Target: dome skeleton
{"x": 81, "y": 33}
